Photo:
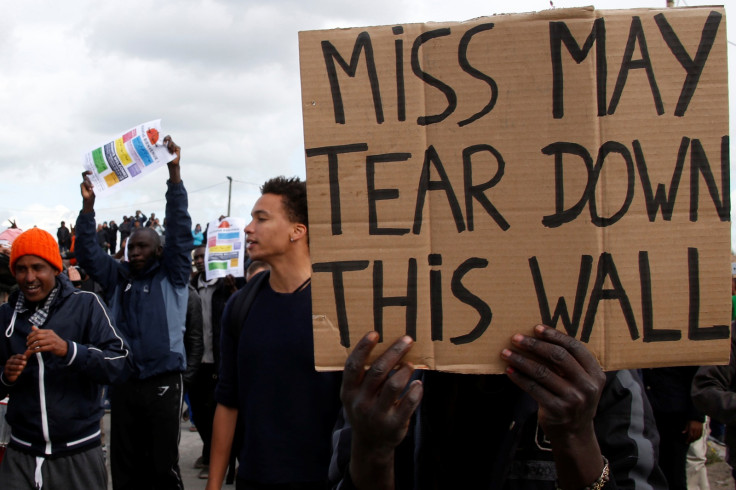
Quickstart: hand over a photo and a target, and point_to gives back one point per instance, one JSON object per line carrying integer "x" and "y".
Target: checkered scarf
{"x": 40, "y": 315}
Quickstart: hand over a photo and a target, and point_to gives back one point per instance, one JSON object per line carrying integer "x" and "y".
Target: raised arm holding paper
{"x": 148, "y": 297}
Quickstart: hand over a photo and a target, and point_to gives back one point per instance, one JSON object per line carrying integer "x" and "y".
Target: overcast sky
{"x": 223, "y": 75}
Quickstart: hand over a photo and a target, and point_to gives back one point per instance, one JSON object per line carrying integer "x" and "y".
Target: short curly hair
{"x": 293, "y": 192}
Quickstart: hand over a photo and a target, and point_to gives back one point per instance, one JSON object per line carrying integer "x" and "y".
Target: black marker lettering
{"x": 409, "y": 301}
{"x": 647, "y": 310}
{"x": 571, "y": 325}
{"x": 694, "y": 332}
{"x": 562, "y": 215}
{"x": 332, "y": 152}
{"x": 430, "y": 80}
{"x": 661, "y": 199}
{"x": 462, "y": 293}
{"x": 699, "y": 164}
{"x": 400, "y": 93}
{"x": 435, "y": 296}
{"x": 477, "y": 191}
{"x": 381, "y": 194}
{"x": 462, "y": 55}
{"x": 362, "y": 42}
{"x": 636, "y": 34}
{"x": 425, "y": 184}
{"x": 606, "y": 148}
{"x": 337, "y": 269}
{"x": 559, "y": 33}
{"x": 693, "y": 67}
{"x": 607, "y": 269}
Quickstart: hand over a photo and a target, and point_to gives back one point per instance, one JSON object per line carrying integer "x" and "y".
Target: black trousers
{"x": 202, "y": 398}
{"x": 673, "y": 448}
{"x": 145, "y": 433}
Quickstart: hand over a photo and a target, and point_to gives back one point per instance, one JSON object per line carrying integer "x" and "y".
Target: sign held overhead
{"x": 469, "y": 180}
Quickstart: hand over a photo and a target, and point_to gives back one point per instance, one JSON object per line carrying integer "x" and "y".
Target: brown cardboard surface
{"x": 461, "y": 264}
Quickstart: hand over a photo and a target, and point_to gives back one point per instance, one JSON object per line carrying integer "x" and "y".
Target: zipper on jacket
{"x": 42, "y": 396}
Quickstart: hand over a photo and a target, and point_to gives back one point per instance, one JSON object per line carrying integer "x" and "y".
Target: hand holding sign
{"x": 88, "y": 193}
{"x": 566, "y": 380}
{"x": 376, "y": 409}
{"x": 174, "y": 149}
{"x": 555, "y": 369}
{"x": 128, "y": 157}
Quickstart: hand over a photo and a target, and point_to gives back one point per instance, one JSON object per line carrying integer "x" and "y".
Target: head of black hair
{"x": 293, "y": 192}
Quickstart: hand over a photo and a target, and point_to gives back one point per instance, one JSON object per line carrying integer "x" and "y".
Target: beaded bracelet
{"x": 601, "y": 481}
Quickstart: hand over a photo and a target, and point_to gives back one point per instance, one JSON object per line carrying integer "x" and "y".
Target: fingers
{"x": 381, "y": 379}
{"x": 14, "y": 366}
{"x": 552, "y": 365}
{"x": 392, "y": 391}
{"x": 85, "y": 179}
{"x": 378, "y": 403}
{"x": 563, "y": 354}
{"x": 41, "y": 340}
{"x": 173, "y": 148}
{"x": 383, "y": 366}
{"x": 87, "y": 187}
{"x": 355, "y": 364}
{"x": 577, "y": 349}
{"x": 411, "y": 399}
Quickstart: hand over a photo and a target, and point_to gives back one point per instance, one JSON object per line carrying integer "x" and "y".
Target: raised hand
{"x": 376, "y": 408}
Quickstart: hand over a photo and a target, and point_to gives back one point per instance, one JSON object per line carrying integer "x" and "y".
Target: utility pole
{"x": 229, "y": 194}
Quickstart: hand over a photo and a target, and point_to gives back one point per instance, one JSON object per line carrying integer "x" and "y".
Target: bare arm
{"x": 174, "y": 168}
{"x": 223, "y": 429}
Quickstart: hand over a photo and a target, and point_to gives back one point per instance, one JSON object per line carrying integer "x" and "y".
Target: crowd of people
{"x": 109, "y": 234}
{"x": 150, "y": 325}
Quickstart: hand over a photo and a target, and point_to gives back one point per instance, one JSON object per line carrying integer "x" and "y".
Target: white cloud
{"x": 223, "y": 76}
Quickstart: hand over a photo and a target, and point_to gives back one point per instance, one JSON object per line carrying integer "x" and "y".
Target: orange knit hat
{"x": 39, "y": 243}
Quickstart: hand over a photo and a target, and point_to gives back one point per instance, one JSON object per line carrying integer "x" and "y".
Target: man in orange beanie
{"x": 58, "y": 346}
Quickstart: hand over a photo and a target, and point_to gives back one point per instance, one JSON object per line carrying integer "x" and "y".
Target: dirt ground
{"x": 719, "y": 476}
{"x": 719, "y": 473}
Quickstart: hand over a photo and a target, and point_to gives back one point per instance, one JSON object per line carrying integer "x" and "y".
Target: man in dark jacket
{"x": 126, "y": 227}
{"x": 112, "y": 237}
{"x": 64, "y": 237}
{"x": 193, "y": 342}
{"x": 148, "y": 298}
{"x": 59, "y": 347}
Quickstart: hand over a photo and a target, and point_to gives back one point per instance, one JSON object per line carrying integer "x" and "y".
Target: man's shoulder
{"x": 5, "y": 309}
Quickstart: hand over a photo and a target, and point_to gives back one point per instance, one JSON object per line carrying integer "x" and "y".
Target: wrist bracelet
{"x": 601, "y": 481}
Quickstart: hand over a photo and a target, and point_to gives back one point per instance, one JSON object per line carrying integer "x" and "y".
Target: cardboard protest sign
{"x": 225, "y": 248}
{"x": 467, "y": 181}
{"x": 134, "y": 153}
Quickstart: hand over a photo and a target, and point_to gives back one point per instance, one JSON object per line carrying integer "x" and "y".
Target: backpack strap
{"x": 242, "y": 302}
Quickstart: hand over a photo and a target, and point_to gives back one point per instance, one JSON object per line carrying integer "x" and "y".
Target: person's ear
{"x": 298, "y": 231}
